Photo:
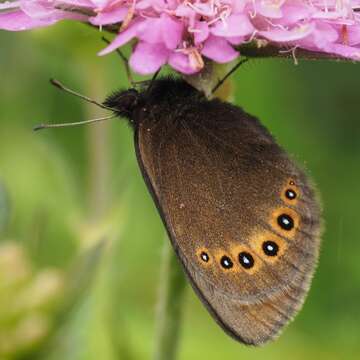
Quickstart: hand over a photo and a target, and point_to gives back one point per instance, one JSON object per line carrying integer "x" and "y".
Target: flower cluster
{"x": 181, "y": 33}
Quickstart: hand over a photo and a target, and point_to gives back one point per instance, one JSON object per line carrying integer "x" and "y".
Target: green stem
{"x": 170, "y": 306}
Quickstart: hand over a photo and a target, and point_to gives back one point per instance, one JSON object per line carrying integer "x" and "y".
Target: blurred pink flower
{"x": 181, "y": 33}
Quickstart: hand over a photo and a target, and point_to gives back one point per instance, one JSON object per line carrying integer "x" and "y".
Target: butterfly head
{"x": 161, "y": 96}
{"x": 123, "y": 102}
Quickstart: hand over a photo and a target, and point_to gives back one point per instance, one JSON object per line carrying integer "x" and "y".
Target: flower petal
{"x": 234, "y": 25}
{"x": 148, "y": 58}
{"x": 218, "y": 49}
{"x": 164, "y": 30}
{"x": 236, "y": 40}
{"x": 353, "y": 35}
{"x": 201, "y": 32}
{"x": 344, "y": 50}
{"x": 270, "y": 9}
{"x": 19, "y": 21}
{"x": 322, "y": 35}
{"x": 150, "y": 31}
{"x": 38, "y": 10}
{"x": 80, "y": 3}
{"x": 283, "y": 35}
{"x": 171, "y": 31}
{"x": 294, "y": 12}
{"x": 10, "y": 5}
{"x": 238, "y": 6}
{"x": 121, "y": 39}
{"x": 109, "y": 17}
{"x": 181, "y": 63}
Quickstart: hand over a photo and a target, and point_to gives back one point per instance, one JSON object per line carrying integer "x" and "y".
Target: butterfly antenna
{"x": 62, "y": 87}
{"x": 243, "y": 61}
{"x": 78, "y": 123}
{"x": 125, "y": 62}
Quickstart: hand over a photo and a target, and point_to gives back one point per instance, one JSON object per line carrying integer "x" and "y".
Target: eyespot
{"x": 290, "y": 194}
{"x": 246, "y": 260}
{"x": 204, "y": 256}
{"x": 285, "y": 221}
{"x": 270, "y": 248}
{"x": 226, "y": 262}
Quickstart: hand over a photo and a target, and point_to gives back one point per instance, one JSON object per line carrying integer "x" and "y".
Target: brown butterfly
{"x": 242, "y": 217}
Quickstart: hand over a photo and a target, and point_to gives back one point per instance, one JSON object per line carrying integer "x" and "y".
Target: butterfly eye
{"x": 226, "y": 262}
{"x": 290, "y": 194}
{"x": 270, "y": 248}
{"x": 285, "y": 221}
{"x": 246, "y": 260}
{"x": 204, "y": 257}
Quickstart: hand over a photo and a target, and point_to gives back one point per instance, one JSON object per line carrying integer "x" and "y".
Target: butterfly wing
{"x": 241, "y": 216}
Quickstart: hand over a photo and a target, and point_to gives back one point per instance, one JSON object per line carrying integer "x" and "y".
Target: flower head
{"x": 182, "y": 33}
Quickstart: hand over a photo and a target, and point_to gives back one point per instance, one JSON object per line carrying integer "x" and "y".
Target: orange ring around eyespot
{"x": 237, "y": 249}
{"x": 218, "y": 254}
{"x": 289, "y": 212}
{"x": 256, "y": 242}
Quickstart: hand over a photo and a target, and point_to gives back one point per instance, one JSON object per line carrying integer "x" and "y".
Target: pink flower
{"x": 182, "y": 33}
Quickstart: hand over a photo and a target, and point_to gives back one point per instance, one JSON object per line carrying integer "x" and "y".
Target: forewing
{"x": 221, "y": 184}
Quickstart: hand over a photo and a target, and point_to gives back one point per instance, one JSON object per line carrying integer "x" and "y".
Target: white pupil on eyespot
{"x": 246, "y": 260}
{"x": 205, "y": 257}
{"x": 286, "y": 221}
{"x": 270, "y": 247}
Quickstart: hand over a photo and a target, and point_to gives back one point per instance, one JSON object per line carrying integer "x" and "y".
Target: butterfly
{"x": 242, "y": 217}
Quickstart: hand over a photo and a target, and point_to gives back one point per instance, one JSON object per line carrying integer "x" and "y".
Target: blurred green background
{"x": 64, "y": 191}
